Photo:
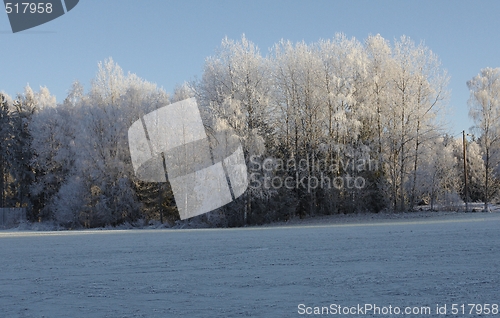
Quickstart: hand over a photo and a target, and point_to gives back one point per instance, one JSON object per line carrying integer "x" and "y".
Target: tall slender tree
{"x": 484, "y": 108}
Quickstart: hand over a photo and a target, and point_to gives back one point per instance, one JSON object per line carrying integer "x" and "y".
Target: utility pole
{"x": 465, "y": 172}
{"x": 162, "y": 187}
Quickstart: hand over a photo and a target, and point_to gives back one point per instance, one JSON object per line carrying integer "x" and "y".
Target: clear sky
{"x": 166, "y": 42}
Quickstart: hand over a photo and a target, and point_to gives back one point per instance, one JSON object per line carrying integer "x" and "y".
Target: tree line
{"x": 351, "y": 126}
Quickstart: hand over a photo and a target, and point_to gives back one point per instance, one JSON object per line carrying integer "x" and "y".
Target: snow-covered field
{"x": 447, "y": 258}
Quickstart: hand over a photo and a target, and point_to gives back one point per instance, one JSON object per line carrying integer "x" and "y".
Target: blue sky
{"x": 166, "y": 42}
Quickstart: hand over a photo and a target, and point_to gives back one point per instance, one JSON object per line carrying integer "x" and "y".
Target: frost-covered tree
{"x": 418, "y": 87}
{"x": 51, "y": 132}
{"x": 103, "y": 163}
{"x": 6, "y": 135}
{"x": 484, "y": 108}
{"x": 439, "y": 176}
{"x": 22, "y": 172}
{"x": 296, "y": 82}
{"x": 235, "y": 89}
{"x": 85, "y": 176}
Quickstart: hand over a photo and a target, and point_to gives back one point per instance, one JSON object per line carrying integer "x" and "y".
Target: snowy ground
{"x": 410, "y": 260}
